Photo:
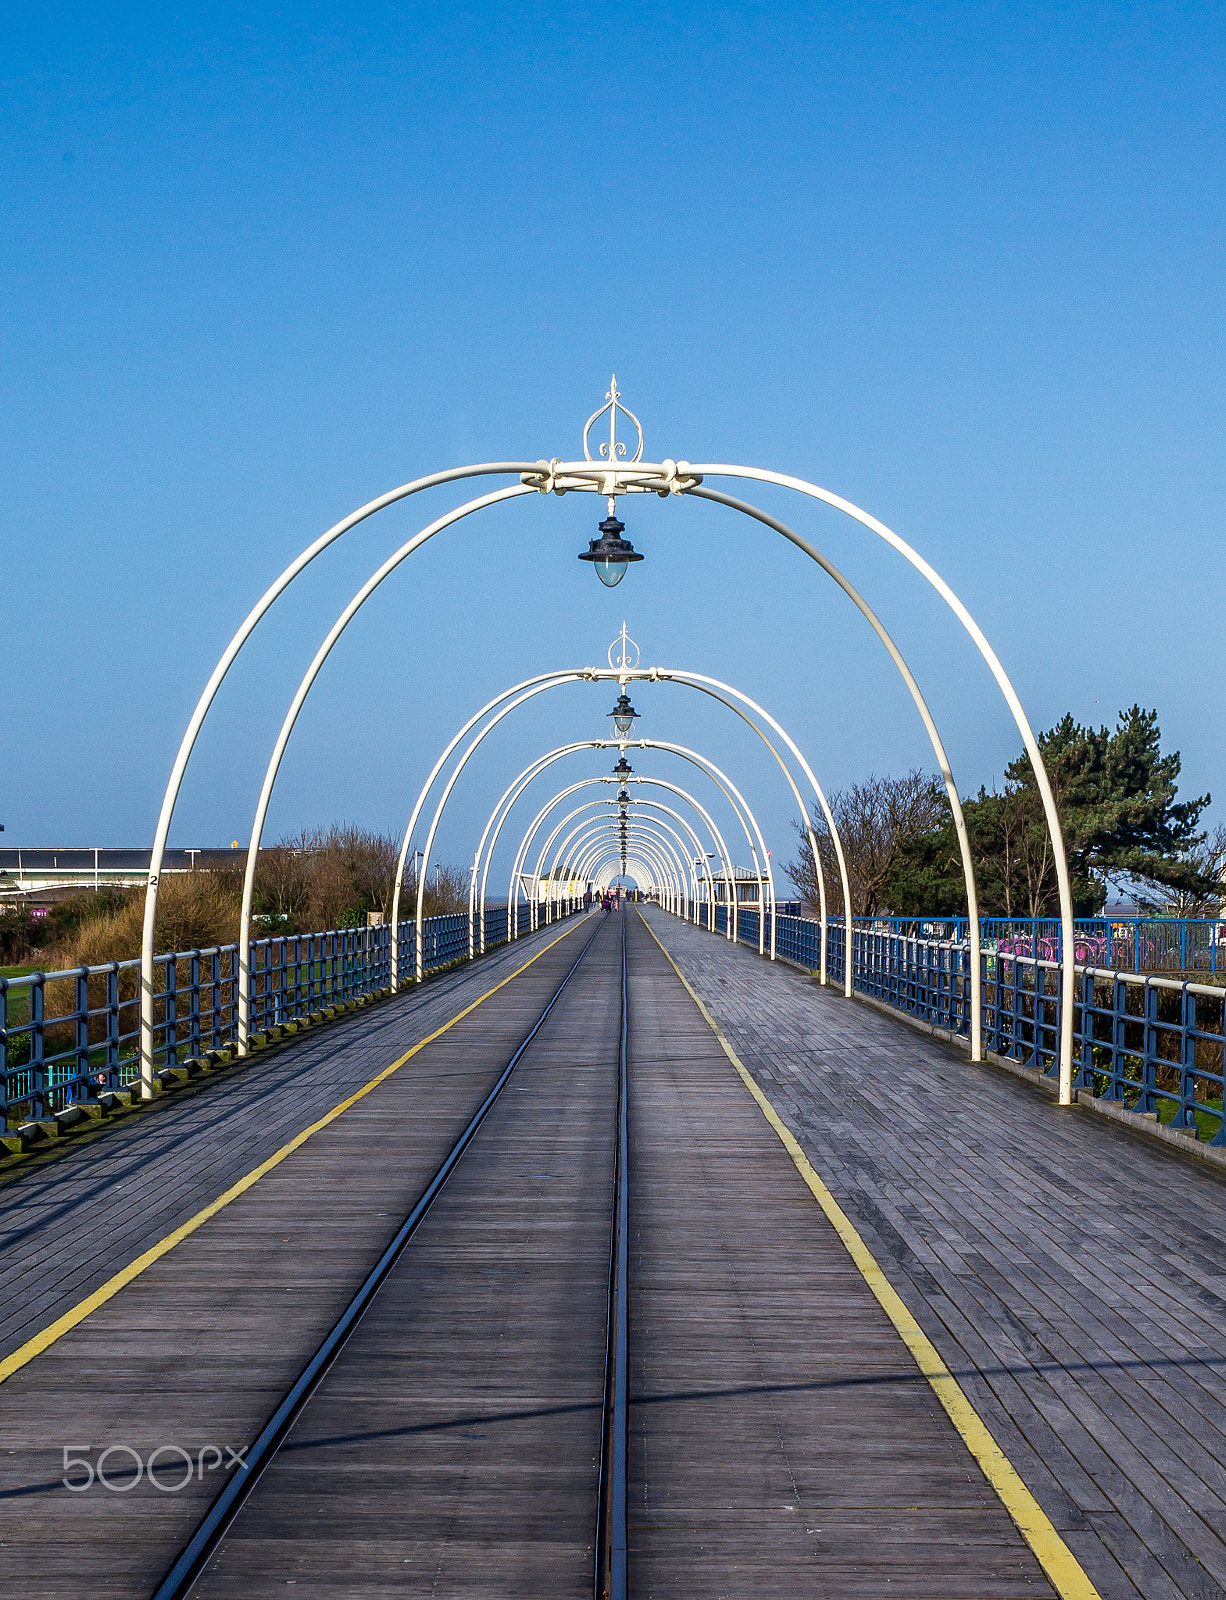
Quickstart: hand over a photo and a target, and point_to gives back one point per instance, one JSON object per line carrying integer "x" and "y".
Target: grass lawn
{"x": 18, "y": 1001}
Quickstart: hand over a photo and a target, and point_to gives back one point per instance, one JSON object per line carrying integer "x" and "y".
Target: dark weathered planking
{"x": 200, "y": 1348}
{"x": 1073, "y": 1275}
{"x": 453, "y": 1448}
{"x": 67, "y": 1226}
{"x": 783, "y": 1441}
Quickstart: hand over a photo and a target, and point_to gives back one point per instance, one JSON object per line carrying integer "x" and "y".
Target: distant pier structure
{"x": 40, "y": 877}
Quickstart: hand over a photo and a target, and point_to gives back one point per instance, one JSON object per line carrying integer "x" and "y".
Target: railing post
{"x": 194, "y": 1004}
{"x": 81, "y": 1064}
{"x": 170, "y": 1012}
{"x": 38, "y": 1071}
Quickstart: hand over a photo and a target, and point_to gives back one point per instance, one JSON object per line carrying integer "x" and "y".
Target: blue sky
{"x": 959, "y": 264}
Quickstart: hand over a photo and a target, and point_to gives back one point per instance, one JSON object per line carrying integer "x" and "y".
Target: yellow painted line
{"x": 1054, "y": 1556}
{"x": 56, "y": 1330}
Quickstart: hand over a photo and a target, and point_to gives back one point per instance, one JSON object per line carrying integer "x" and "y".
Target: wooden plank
{"x": 783, "y": 1440}
{"x": 198, "y": 1350}
{"x": 1069, "y": 1271}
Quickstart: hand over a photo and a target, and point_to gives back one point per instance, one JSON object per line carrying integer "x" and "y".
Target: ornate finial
{"x": 614, "y": 448}
{"x": 624, "y": 663}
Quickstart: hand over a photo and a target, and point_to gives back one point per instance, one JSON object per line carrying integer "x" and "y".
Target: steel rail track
{"x": 213, "y": 1526}
{"x": 610, "y": 1577}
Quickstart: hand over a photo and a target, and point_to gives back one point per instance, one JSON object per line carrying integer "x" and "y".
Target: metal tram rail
{"x": 611, "y": 1525}
{"x": 611, "y": 1517}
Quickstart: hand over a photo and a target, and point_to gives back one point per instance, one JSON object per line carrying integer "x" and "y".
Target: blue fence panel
{"x": 1153, "y": 1045}
{"x": 800, "y": 940}
{"x": 1127, "y": 944}
{"x": 67, "y": 1036}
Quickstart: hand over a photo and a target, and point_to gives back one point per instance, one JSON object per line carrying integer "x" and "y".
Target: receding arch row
{"x": 665, "y": 478}
{"x": 561, "y": 859}
{"x": 532, "y": 687}
{"x": 723, "y": 851}
{"x": 654, "y": 848}
{"x": 364, "y": 593}
{"x": 734, "y": 699}
{"x": 732, "y": 794}
{"x": 658, "y": 853}
{"x": 489, "y": 838}
{"x": 633, "y": 811}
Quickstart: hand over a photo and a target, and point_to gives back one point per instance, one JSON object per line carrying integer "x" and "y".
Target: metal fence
{"x": 1127, "y": 944}
{"x": 69, "y": 1036}
{"x": 1154, "y": 1046}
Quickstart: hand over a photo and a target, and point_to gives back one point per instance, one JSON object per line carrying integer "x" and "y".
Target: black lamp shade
{"x": 610, "y": 554}
{"x": 624, "y": 715}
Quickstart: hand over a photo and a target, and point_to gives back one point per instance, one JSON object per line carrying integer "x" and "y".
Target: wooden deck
{"x": 784, "y": 1442}
{"x": 199, "y": 1349}
{"x": 454, "y": 1447}
{"x": 1071, "y": 1274}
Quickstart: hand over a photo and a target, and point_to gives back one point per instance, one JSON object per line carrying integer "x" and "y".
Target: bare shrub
{"x": 873, "y": 819}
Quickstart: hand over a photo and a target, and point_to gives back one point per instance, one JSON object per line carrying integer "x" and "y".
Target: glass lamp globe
{"x": 610, "y": 554}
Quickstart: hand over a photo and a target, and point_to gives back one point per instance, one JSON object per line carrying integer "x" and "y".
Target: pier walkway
{"x": 856, "y": 1266}
{"x": 1071, "y": 1274}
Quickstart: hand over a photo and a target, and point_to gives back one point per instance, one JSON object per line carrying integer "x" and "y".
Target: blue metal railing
{"x": 1153, "y": 1045}
{"x": 68, "y": 1036}
{"x": 1122, "y": 944}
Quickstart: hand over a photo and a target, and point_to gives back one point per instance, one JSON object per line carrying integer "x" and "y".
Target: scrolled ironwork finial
{"x": 612, "y": 449}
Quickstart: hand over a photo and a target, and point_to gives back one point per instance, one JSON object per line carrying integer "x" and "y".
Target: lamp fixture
{"x": 624, "y": 715}
{"x": 610, "y": 554}
{"x": 623, "y": 769}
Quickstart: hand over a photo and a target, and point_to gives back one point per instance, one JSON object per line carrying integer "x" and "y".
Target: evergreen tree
{"x": 1116, "y": 795}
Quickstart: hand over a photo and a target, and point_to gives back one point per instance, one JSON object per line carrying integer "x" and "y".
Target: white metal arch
{"x": 736, "y": 799}
{"x": 612, "y": 478}
{"x": 1052, "y": 815}
{"x": 661, "y": 877}
{"x": 556, "y": 866}
{"x": 291, "y": 717}
{"x": 641, "y": 838}
{"x": 209, "y": 694}
{"x": 712, "y": 687}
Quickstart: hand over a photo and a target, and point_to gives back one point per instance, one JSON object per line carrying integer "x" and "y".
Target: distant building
{"x": 37, "y": 879}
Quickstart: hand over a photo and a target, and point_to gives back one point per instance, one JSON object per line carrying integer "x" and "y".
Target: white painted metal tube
{"x": 291, "y": 717}
{"x": 678, "y": 855}
{"x": 765, "y": 878}
{"x": 934, "y": 738}
{"x": 192, "y": 733}
{"x": 928, "y": 572}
